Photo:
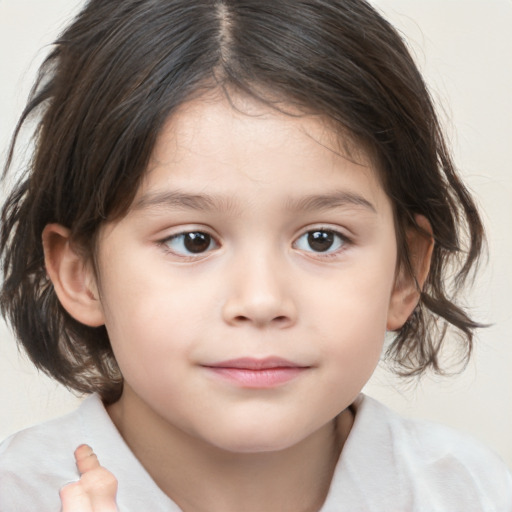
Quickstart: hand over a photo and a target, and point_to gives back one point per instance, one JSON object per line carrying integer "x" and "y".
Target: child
{"x": 229, "y": 204}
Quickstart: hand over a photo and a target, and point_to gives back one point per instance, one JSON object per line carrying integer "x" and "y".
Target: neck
{"x": 200, "y": 477}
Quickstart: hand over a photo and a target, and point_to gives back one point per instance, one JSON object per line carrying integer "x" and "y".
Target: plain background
{"x": 464, "y": 48}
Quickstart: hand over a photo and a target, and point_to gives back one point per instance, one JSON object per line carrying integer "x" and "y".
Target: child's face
{"x": 250, "y": 238}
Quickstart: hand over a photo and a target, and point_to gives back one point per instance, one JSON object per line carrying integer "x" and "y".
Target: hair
{"x": 122, "y": 67}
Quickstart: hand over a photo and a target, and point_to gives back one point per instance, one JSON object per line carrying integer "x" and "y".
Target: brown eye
{"x": 196, "y": 242}
{"x": 192, "y": 242}
{"x": 320, "y": 241}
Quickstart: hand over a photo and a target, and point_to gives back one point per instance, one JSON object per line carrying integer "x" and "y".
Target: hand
{"x": 95, "y": 491}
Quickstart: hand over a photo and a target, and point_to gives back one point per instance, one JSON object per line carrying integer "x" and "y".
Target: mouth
{"x": 257, "y": 373}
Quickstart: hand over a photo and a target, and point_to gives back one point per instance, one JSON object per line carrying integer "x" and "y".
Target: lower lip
{"x": 258, "y": 379}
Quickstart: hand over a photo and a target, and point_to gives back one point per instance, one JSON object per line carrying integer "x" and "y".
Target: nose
{"x": 259, "y": 294}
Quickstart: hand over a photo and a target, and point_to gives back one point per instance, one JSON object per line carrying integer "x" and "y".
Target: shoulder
{"x": 36, "y": 462}
{"x": 426, "y": 465}
{"x": 429, "y": 443}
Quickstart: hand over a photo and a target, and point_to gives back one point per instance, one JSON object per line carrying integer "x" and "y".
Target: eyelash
{"x": 191, "y": 256}
{"x": 339, "y": 239}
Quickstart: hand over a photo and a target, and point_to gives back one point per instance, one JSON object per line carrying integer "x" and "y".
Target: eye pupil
{"x": 320, "y": 241}
{"x": 197, "y": 242}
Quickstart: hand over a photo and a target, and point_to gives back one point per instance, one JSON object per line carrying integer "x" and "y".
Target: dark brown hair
{"x": 124, "y": 66}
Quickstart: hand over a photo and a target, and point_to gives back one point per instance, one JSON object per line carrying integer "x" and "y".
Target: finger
{"x": 74, "y": 498}
{"x": 97, "y": 487}
{"x": 101, "y": 487}
{"x": 86, "y": 459}
{"x": 98, "y": 483}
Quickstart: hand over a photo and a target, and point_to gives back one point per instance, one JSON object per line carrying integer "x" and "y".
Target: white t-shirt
{"x": 387, "y": 464}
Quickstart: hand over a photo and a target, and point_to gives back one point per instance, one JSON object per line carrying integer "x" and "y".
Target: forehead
{"x": 239, "y": 111}
{"x": 232, "y": 147}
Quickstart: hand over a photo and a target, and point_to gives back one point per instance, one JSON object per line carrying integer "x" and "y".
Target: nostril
{"x": 282, "y": 319}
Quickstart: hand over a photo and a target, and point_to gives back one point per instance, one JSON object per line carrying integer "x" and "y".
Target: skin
{"x": 259, "y": 289}
{"x": 96, "y": 489}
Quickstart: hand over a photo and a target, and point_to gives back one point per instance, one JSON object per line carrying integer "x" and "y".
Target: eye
{"x": 189, "y": 243}
{"x": 320, "y": 241}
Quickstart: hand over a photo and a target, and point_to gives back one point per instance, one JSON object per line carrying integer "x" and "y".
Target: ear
{"x": 407, "y": 288}
{"x": 73, "y": 278}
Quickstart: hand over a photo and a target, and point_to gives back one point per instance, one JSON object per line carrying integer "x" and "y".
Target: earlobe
{"x": 73, "y": 279}
{"x": 407, "y": 289}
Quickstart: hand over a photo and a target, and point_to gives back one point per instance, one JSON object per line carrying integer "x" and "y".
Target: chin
{"x": 255, "y": 446}
{"x": 257, "y": 440}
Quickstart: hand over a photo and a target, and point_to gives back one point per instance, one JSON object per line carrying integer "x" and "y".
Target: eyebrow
{"x": 183, "y": 201}
{"x": 336, "y": 199}
{"x": 203, "y": 202}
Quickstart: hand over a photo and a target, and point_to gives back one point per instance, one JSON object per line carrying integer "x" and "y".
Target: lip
{"x": 248, "y": 372}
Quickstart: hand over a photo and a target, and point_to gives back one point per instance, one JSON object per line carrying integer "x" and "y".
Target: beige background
{"x": 465, "y": 50}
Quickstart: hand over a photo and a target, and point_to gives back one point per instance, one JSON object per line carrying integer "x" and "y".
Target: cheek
{"x": 352, "y": 353}
{"x": 351, "y": 319}
{"x": 149, "y": 319}
{"x": 356, "y": 336}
